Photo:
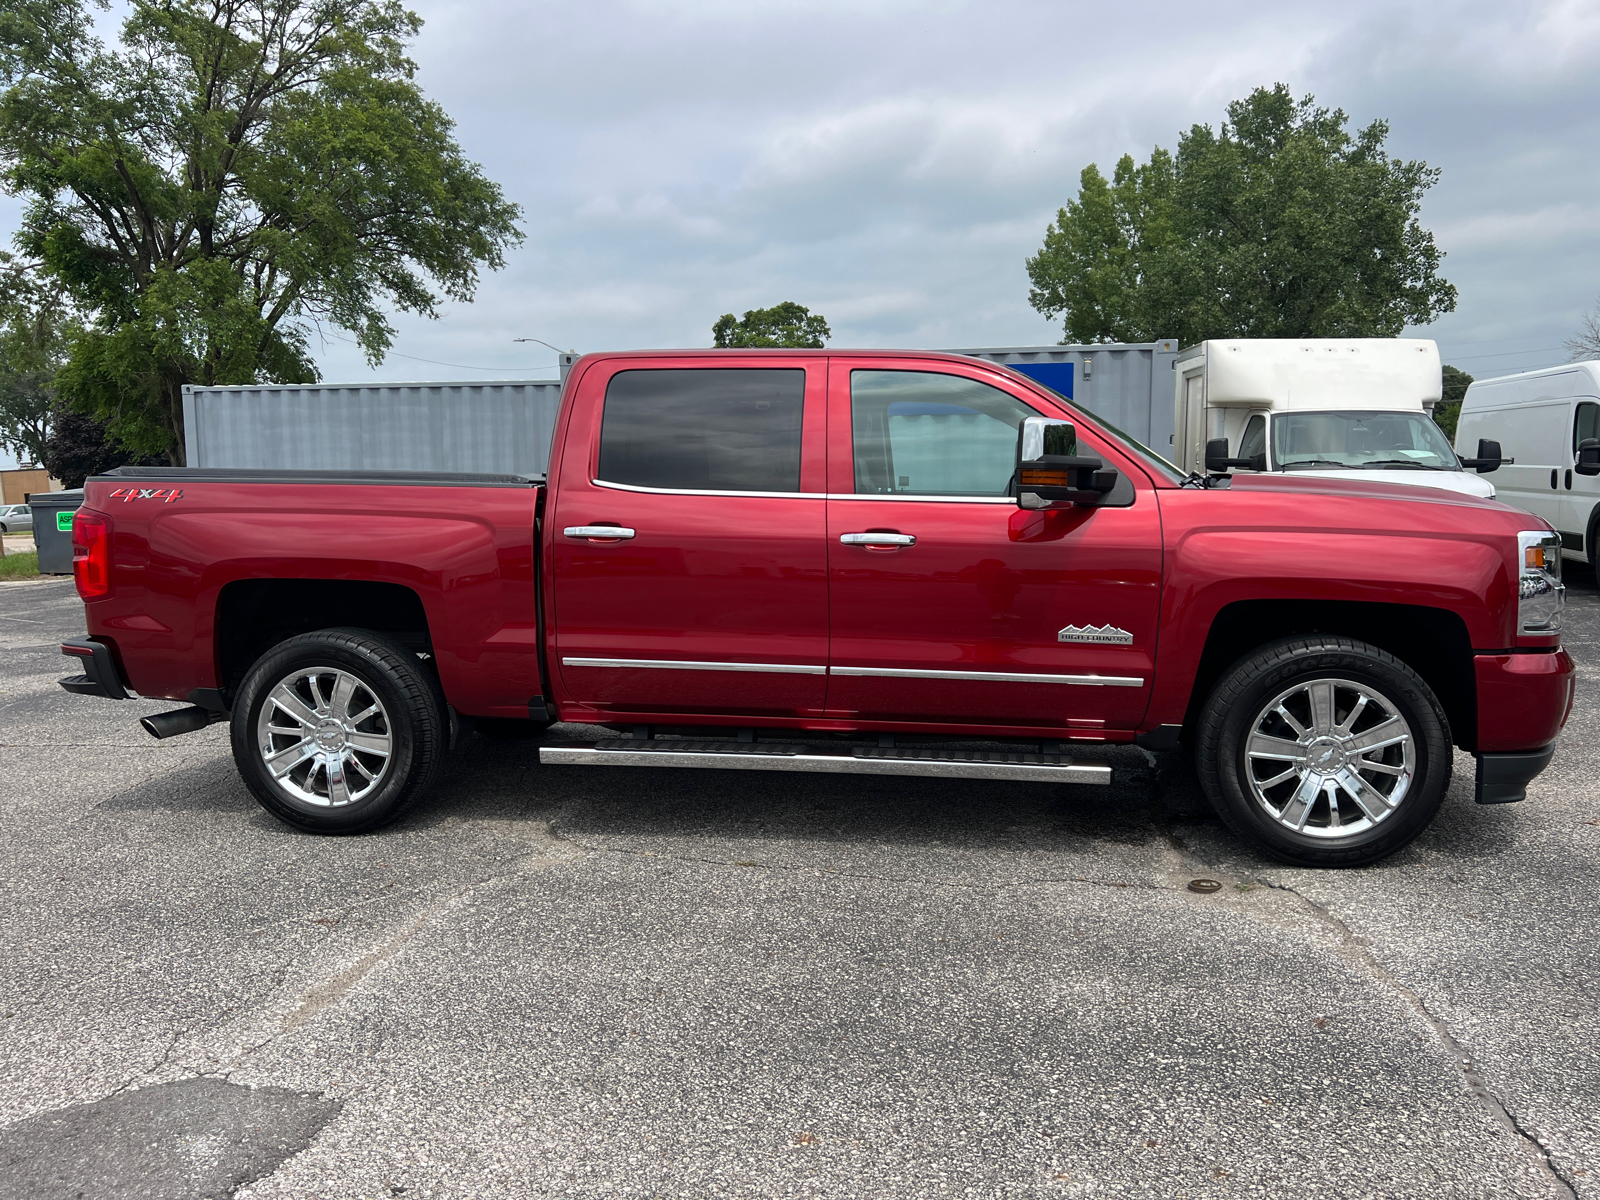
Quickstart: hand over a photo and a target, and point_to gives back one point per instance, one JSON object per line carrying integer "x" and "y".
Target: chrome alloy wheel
{"x": 1330, "y": 758}
{"x": 324, "y": 737}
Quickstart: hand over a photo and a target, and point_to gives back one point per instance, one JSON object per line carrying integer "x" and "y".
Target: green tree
{"x": 234, "y": 173}
{"x": 1280, "y": 223}
{"x": 34, "y": 323}
{"x": 1448, "y": 411}
{"x": 787, "y": 325}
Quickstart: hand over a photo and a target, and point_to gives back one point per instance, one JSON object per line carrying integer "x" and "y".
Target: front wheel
{"x": 1324, "y": 751}
{"x": 338, "y": 731}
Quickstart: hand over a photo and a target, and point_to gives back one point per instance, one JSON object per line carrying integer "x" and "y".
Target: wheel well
{"x": 1431, "y": 641}
{"x": 254, "y": 615}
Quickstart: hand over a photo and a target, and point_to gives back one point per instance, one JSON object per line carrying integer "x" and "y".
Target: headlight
{"x": 1539, "y": 590}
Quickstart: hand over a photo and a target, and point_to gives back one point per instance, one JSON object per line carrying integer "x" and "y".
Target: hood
{"x": 1438, "y": 487}
{"x": 1465, "y": 482}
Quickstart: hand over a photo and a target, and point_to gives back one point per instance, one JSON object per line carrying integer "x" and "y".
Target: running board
{"x": 825, "y": 759}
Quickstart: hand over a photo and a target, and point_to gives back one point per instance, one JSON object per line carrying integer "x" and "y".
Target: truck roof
{"x": 1318, "y": 373}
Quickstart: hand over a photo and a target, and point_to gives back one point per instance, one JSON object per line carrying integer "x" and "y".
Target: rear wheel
{"x": 1324, "y": 751}
{"x": 338, "y": 731}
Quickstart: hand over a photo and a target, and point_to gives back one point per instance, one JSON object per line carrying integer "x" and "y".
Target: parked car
{"x": 852, "y": 563}
{"x": 1345, "y": 408}
{"x": 1540, "y": 419}
{"x": 16, "y": 518}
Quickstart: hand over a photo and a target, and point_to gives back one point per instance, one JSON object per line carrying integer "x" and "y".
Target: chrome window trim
{"x": 991, "y": 676}
{"x": 655, "y": 491}
{"x": 1011, "y": 500}
{"x": 661, "y": 664}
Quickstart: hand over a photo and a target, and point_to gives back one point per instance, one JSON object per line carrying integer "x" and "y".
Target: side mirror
{"x": 1218, "y": 462}
{"x": 1489, "y": 459}
{"x": 1588, "y": 457}
{"x": 1050, "y": 471}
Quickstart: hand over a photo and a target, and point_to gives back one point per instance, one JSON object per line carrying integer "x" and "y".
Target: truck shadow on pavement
{"x": 1154, "y": 806}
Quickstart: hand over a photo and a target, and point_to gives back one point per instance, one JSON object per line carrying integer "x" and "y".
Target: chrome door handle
{"x": 615, "y": 533}
{"x": 877, "y": 539}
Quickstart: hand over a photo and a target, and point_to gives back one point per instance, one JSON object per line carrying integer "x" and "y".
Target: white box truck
{"x": 1548, "y": 421}
{"x": 1357, "y": 408}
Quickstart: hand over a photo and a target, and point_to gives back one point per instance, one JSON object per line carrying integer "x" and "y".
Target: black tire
{"x": 1242, "y": 700}
{"x": 508, "y": 729}
{"x": 412, "y": 722}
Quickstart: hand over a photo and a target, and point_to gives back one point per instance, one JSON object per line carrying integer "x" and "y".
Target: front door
{"x": 949, "y": 604}
{"x": 711, "y": 597}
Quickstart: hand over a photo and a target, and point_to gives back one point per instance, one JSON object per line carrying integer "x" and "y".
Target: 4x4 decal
{"x": 129, "y": 495}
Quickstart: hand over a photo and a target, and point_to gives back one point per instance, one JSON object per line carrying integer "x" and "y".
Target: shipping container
{"x": 505, "y": 428}
{"x": 500, "y": 428}
{"x": 1129, "y": 385}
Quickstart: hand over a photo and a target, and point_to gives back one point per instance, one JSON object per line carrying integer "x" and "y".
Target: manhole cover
{"x": 1204, "y": 885}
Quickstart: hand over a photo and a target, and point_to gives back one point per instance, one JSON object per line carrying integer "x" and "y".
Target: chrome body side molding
{"x": 992, "y": 676}
{"x": 663, "y": 664}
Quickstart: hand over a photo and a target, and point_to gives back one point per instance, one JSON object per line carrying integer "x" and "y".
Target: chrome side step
{"x": 826, "y": 759}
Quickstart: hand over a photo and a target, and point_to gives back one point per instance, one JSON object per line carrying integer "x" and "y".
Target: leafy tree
{"x": 233, "y": 173}
{"x": 33, "y": 327}
{"x": 787, "y": 325}
{"x": 1448, "y": 411}
{"x": 80, "y": 446}
{"x": 1280, "y": 223}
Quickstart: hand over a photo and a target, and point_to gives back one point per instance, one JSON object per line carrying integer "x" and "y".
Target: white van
{"x": 1540, "y": 418}
{"x": 1353, "y": 408}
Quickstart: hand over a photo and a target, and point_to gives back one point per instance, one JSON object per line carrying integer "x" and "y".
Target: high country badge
{"x": 1102, "y": 635}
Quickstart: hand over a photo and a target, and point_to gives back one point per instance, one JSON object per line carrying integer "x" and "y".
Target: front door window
{"x": 918, "y": 433}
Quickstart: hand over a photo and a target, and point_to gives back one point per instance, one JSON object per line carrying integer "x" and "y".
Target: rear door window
{"x": 929, "y": 434}
{"x": 703, "y": 430}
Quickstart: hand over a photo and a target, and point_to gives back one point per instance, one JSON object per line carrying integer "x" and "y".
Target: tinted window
{"x": 1585, "y": 424}
{"x": 922, "y": 433}
{"x": 719, "y": 431}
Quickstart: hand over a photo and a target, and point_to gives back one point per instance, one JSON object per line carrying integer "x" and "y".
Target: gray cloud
{"x": 891, "y": 164}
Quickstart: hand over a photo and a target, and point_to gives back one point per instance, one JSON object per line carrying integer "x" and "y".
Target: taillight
{"x": 91, "y": 554}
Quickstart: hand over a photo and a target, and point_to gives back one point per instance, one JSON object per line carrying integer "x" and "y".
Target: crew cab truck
{"x": 1347, "y": 408}
{"x": 862, "y": 562}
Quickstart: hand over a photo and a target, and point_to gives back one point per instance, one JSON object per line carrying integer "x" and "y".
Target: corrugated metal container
{"x": 502, "y": 428}
{"x": 1129, "y": 384}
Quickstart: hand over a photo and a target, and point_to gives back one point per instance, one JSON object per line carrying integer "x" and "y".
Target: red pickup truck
{"x": 848, "y": 562}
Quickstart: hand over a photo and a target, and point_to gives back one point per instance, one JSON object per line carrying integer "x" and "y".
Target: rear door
{"x": 711, "y": 597}
{"x": 949, "y": 604}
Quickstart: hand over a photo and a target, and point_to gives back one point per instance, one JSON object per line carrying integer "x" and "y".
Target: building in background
{"x": 17, "y": 485}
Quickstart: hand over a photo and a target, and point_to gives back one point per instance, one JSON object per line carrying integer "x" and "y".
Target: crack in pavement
{"x": 1354, "y": 951}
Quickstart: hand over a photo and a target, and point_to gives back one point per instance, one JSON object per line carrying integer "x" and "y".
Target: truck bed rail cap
{"x": 257, "y": 475}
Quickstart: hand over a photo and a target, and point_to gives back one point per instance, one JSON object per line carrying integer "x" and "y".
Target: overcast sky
{"x": 891, "y": 164}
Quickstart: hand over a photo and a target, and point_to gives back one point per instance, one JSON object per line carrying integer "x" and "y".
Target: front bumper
{"x": 1523, "y": 699}
{"x": 100, "y": 675}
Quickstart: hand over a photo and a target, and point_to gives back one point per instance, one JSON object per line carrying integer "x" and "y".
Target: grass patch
{"x": 20, "y": 566}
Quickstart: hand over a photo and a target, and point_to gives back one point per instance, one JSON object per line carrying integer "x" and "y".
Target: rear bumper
{"x": 1503, "y": 778}
{"x": 100, "y": 675}
{"x": 1523, "y": 700}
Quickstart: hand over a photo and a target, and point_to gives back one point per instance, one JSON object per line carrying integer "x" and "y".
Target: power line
{"x": 1502, "y": 354}
{"x": 435, "y": 362}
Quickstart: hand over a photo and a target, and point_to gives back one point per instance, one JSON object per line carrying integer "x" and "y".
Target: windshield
{"x": 1377, "y": 441}
{"x": 1162, "y": 466}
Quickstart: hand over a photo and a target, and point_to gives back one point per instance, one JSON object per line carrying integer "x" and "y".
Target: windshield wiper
{"x": 1312, "y": 462}
{"x": 1410, "y": 463}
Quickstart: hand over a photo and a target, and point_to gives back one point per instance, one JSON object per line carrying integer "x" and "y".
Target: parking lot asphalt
{"x": 570, "y": 981}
